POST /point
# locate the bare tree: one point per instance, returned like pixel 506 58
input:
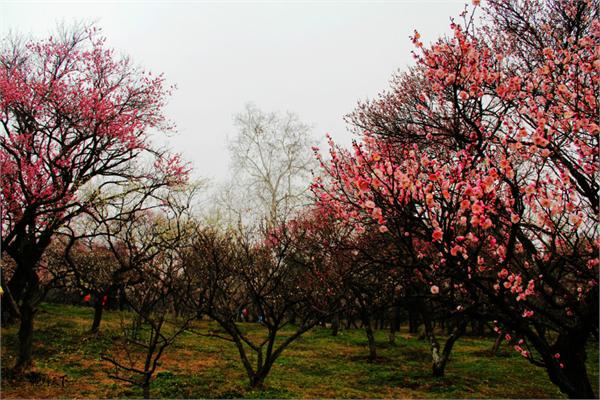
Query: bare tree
pixel 275 278
pixel 272 161
pixel 155 244
pixel 136 356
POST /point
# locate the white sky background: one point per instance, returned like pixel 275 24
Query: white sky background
pixel 316 59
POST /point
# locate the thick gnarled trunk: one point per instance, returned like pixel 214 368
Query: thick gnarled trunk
pixel 31 296
pixel 25 335
pixel 27 296
pixel 568 371
pixel 440 357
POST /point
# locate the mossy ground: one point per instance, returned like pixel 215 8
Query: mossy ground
pixel 68 365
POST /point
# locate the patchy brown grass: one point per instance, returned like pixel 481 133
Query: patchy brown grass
pixel 68 365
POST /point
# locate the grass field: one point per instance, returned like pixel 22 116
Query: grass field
pixel 317 365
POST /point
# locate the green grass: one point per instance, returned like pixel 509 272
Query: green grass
pixel 316 365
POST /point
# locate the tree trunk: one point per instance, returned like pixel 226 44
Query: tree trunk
pixel 97 315
pixel 368 325
pixel 392 337
pixel 146 389
pixel 394 318
pixel 497 344
pixel 349 322
pixel 413 320
pixel 122 298
pixel 257 380
pixel 438 363
pixel 25 289
pixel 394 323
pixel 31 296
pixel 572 378
pixel 25 335
pixel 440 367
pixel 335 324
pixel 440 359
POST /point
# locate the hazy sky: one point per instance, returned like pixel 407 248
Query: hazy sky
pixel 316 59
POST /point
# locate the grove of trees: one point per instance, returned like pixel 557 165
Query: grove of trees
pixel 468 201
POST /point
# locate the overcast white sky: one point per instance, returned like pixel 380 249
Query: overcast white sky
pixel 316 59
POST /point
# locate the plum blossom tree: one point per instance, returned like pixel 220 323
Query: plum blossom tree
pixel 386 262
pixel 481 161
pixel 73 114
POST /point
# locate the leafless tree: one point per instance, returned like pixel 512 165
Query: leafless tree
pixel 275 279
pixel 155 244
pixel 136 355
pixel 272 160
